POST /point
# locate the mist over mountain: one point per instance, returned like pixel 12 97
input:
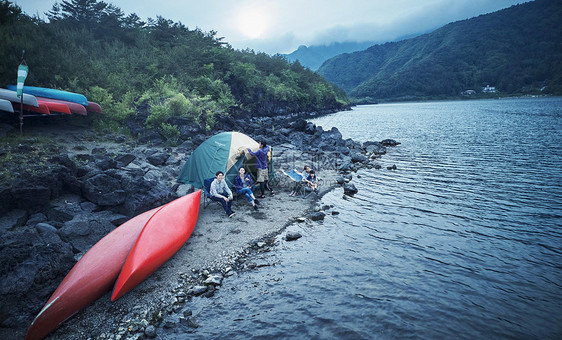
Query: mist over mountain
pixel 517 50
pixel 314 56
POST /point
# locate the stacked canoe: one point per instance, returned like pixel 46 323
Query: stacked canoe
pixel 40 101
pixel 120 260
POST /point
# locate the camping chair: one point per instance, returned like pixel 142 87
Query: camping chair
pixel 295 177
pixel 207 190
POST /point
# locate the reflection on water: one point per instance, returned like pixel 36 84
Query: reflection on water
pixel 463 240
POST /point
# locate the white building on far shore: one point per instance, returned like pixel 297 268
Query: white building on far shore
pixel 489 89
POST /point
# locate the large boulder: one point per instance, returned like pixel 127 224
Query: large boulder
pixel 32 262
pixel 390 142
pixel 103 190
pixel 349 189
pixel 85 230
pixel 29 196
pixel 158 158
pixel 143 195
pixel 374 148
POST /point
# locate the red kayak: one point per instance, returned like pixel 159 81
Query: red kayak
pixel 40 109
pixel 54 107
pixel 90 278
pixel 74 107
pixel 94 107
pixel 164 234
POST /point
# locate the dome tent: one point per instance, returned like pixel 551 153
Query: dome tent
pixel 226 152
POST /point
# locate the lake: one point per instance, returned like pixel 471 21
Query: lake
pixel 463 240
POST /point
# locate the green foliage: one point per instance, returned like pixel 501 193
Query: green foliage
pixel 517 50
pixel 170 132
pixel 119 61
pixel 115 113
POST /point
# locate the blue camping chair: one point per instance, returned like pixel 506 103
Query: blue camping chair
pixel 295 177
pixel 207 190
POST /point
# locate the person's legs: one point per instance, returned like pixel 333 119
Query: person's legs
pixel 262 178
pixel 248 193
pixel 226 206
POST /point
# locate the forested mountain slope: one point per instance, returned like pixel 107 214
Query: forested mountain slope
pixel 120 61
pixel 517 50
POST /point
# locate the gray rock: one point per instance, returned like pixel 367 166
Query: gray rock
pixel 158 158
pixel 150 331
pixel 197 290
pixel 359 158
pixel 292 236
pixel 36 218
pixel 310 128
pixel 103 190
pixel 189 322
pixel 317 216
pixel 89 206
pixel 214 280
pixel 390 142
pixel 83 231
pixel 12 220
pixel 124 159
pixel 184 189
pixel 48 233
pixel 31 197
pixel 349 189
pixel 64 212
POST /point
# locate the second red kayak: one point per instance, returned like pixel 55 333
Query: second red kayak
pixel 164 234
pixel 73 107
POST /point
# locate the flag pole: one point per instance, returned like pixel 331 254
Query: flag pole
pixel 21 79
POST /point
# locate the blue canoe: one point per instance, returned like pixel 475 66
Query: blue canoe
pixel 53 94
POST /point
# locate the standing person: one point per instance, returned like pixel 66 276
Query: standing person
pixel 244 186
pixel 261 165
pixel 220 192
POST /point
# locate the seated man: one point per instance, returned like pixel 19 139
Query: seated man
pixel 220 192
pixel 244 186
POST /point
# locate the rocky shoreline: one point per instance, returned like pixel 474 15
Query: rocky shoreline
pixel 77 189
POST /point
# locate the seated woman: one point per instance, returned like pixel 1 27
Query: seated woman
pixel 244 185
pixel 296 188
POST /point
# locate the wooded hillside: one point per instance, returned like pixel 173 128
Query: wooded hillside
pixel 120 61
pixel 517 50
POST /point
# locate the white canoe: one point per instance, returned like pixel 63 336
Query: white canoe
pixel 13 97
pixel 6 105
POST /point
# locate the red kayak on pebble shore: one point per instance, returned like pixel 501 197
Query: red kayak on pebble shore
pixel 164 234
pixel 90 278
pixel 128 254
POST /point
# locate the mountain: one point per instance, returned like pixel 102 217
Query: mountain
pixel 516 50
pixel 313 56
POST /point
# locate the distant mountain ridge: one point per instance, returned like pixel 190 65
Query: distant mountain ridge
pixel 515 50
pixel 314 56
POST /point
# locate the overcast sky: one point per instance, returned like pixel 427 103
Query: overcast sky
pixel 280 26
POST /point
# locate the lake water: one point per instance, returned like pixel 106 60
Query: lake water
pixel 463 240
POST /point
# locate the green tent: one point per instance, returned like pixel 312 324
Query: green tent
pixel 226 152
